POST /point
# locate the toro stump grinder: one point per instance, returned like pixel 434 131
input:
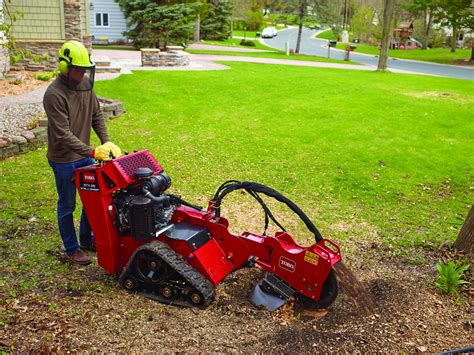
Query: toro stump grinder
pixel 172 251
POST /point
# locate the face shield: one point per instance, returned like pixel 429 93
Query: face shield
pixel 80 78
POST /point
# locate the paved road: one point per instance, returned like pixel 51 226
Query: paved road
pixel 318 47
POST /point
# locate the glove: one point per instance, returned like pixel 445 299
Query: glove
pixel 116 152
pixel 102 152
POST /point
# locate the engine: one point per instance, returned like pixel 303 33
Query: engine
pixel 143 208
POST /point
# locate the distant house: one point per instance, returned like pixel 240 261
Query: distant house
pixel 45 26
pixel 107 21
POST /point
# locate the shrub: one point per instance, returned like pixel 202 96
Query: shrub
pixel 239 24
pixel 46 76
pixel 450 276
pixel 247 43
pixel 119 42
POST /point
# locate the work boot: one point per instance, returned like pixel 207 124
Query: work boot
pixel 79 258
pixel 88 247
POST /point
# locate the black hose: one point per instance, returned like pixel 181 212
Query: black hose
pixel 466 350
pixel 233 185
pixel 161 200
pixel 185 203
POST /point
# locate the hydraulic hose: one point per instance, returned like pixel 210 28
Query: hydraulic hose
pixel 185 203
pixel 165 199
pixel 254 188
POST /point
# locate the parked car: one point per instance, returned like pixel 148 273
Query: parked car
pixel 269 32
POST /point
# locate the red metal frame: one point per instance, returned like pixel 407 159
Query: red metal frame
pixel 304 268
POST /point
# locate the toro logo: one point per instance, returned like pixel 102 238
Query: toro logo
pixel 287 264
pixel 89 177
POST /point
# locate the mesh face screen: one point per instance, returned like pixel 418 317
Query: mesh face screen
pixel 129 164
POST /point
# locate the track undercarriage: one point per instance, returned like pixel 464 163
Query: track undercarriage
pixel 157 272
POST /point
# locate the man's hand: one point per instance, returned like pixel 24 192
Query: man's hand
pixel 116 152
pixel 102 152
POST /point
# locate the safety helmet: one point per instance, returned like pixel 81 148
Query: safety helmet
pixel 75 64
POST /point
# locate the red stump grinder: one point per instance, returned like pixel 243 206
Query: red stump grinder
pixel 175 252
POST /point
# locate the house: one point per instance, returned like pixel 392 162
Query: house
pixel 107 21
pixel 45 25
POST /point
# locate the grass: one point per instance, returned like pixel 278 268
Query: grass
pixel 235 42
pixel 253 34
pixel 328 34
pixel 368 156
pixel 273 55
pixel 388 155
pixel 112 47
pixel 437 55
pixel 248 34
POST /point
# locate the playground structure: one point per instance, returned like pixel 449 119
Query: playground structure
pixel 402 37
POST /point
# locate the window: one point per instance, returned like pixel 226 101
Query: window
pixel 102 19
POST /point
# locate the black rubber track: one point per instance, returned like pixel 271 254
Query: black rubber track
pixel 176 262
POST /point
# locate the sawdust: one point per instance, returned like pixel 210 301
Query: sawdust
pixel 356 292
pixel 87 312
pixel 408 313
pixel 17 87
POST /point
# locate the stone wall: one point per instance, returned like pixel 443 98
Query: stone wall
pixel 72 19
pixel 29 140
pixel 37 137
pixel 39 48
pixel 110 108
pixel 4 61
pixel 173 57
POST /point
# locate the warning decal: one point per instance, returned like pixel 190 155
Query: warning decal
pixel 311 257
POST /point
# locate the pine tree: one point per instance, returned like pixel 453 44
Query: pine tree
pixel 216 24
pixel 157 24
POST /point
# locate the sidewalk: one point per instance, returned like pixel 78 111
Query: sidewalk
pixel 210 47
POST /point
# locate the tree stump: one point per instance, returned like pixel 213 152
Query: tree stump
pixel 465 238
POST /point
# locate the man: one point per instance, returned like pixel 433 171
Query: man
pixel 73 110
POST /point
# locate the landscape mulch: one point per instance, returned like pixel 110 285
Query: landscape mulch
pixel 407 313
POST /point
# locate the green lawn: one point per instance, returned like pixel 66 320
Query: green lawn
pixel 275 55
pixel 376 160
pixel 328 34
pixel 235 42
pixel 438 55
pixel 253 34
pixel 123 48
pixel 247 34
pixel 367 155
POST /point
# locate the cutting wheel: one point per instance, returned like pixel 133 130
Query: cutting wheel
pixel 328 294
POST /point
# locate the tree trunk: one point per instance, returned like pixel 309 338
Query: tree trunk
pixel 427 28
pixel 300 25
pixel 197 29
pixel 384 45
pixel 369 27
pixel 465 240
pixel 472 50
pixel 453 39
pixel 344 21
